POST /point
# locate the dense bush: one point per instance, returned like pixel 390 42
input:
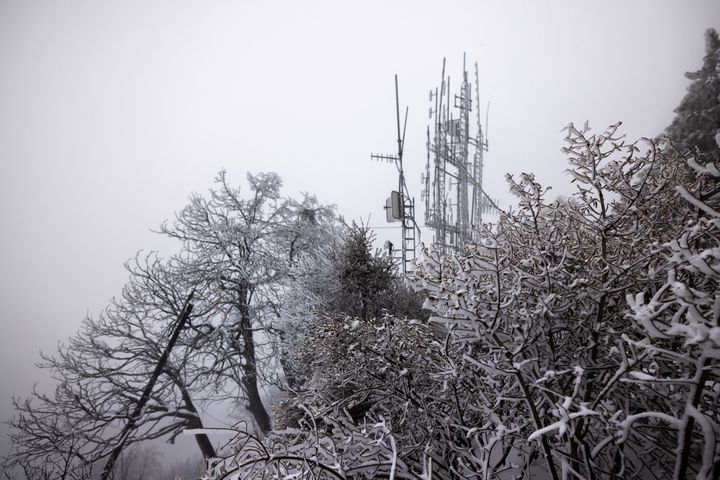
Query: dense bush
pixel 577 339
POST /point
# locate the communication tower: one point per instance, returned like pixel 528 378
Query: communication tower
pixel 400 206
pixel 452 183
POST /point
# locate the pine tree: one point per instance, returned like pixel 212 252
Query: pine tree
pixel 363 277
pixel 698 116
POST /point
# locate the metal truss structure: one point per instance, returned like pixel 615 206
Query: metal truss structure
pixel 452 183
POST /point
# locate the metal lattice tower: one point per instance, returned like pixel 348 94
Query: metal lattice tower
pixel 400 207
pixel 454 197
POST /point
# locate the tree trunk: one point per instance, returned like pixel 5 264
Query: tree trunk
pixel 250 377
pixel 250 374
pixel 288 370
pixel 135 415
pixel 206 447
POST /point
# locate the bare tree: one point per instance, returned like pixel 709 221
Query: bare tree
pixel 101 374
pixel 236 253
pixel 244 247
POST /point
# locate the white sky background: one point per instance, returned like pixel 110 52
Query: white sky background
pixel 112 113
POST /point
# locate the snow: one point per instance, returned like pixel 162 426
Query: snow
pixel 708 430
pixel 624 427
pixel 561 425
pixel 642 376
pixel 644 313
pixel 701 205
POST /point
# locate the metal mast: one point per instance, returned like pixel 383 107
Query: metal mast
pixel 454 197
pixel 400 207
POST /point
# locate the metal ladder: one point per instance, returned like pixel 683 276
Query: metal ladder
pixel 408 235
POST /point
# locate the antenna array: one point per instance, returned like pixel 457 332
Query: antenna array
pixel 400 207
pixel 454 197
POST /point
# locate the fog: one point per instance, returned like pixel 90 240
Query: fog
pixel 112 113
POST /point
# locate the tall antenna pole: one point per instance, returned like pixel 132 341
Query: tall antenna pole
pixel 397 116
pixel 481 146
pixel 400 206
pixel 458 199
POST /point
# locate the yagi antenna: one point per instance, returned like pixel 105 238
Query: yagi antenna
pixel 400 207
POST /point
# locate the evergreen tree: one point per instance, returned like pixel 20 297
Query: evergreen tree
pixel 364 277
pixel 370 283
pixel 347 276
pixel 698 116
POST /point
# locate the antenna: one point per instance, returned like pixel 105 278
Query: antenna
pixel 455 208
pixel 400 206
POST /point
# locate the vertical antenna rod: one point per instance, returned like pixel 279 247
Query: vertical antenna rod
pixel 397 115
pixel 400 206
pixel 458 200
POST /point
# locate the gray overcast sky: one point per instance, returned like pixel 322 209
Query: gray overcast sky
pixel 112 113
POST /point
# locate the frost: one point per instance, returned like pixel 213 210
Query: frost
pixel 562 424
pixel 701 205
pixel 625 426
pixel 644 313
pixel 642 376
pixel 708 430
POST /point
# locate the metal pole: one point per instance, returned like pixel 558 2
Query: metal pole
pixel 397 115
